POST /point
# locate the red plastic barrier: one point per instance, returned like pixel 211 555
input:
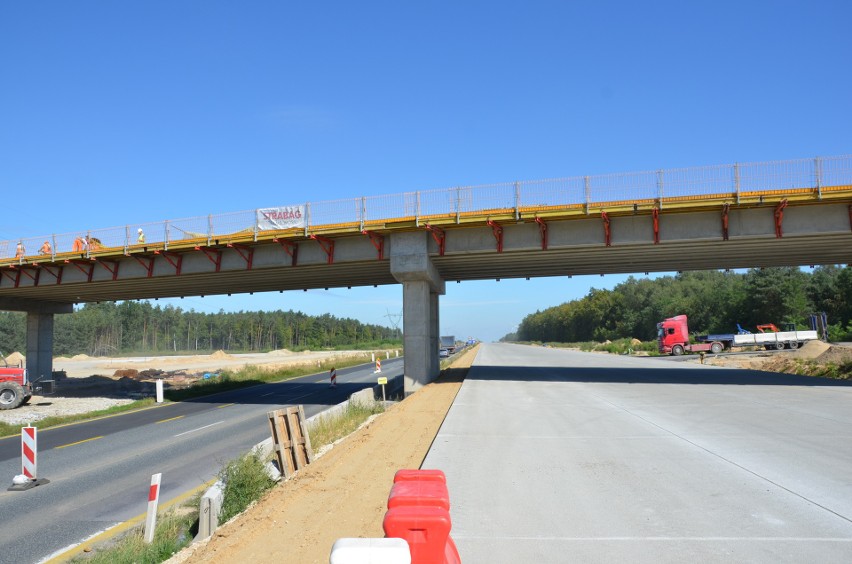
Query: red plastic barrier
pixel 427 531
pixel 419 475
pixel 415 493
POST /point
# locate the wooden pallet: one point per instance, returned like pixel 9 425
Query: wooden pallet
pixel 290 441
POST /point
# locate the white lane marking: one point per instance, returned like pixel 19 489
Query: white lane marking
pixel 199 429
pixel 269 394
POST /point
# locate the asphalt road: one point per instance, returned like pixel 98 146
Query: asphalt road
pixel 560 456
pixel 100 471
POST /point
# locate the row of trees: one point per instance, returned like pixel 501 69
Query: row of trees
pixel 138 327
pixel 714 301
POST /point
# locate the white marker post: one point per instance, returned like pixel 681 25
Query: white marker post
pixel 159 386
pixel 153 500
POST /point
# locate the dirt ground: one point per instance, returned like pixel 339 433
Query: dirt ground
pixel 343 493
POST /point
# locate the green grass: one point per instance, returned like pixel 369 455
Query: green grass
pixel 245 481
pixel 325 430
pixel 175 530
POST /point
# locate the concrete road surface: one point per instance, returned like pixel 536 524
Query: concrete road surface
pixel 560 456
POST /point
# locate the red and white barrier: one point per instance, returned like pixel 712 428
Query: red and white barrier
pixel 29 452
pixel 378 366
pixel 333 375
pixel 419 512
pixel 153 501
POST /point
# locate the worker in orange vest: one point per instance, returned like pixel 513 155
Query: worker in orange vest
pixel 19 250
pixel 45 248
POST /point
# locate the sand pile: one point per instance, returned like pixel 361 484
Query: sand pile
pixel 812 349
pixel 15 359
pixel 835 355
pixel 220 354
pixel 281 352
pixel 80 357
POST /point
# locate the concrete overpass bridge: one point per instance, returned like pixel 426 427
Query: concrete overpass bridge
pixel 781 213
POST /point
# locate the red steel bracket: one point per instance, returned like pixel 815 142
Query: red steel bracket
pixel 16 279
pixel 214 255
pixel 175 259
pixel 607 232
pixel 725 209
pixel 656 215
pixel 88 271
pixel 113 270
pixel 378 241
pixel 497 229
pixel 57 274
pixel 779 216
pixel 542 228
pixel 290 248
pixel 30 275
pixel 439 236
pixel 246 252
pixel 148 266
pixel 327 246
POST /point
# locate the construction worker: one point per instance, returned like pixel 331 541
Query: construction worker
pixel 20 251
pixel 77 247
pixel 141 238
pixel 45 248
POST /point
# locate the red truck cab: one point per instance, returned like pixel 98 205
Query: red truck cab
pixel 671 333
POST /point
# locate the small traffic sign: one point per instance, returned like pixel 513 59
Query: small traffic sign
pixel 382 381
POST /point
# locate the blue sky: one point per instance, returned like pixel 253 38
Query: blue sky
pixel 135 112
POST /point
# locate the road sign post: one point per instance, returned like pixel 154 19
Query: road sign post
pixel 382 381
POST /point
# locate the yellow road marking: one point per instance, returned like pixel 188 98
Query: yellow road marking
pixel 226 405
pixel 79 442
pixel 169 419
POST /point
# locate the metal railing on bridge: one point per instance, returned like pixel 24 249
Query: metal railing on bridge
pixel 815 175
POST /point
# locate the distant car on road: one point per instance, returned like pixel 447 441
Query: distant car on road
pixel 443 353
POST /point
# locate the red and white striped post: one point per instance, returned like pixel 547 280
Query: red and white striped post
pixel 378 366
pixel 153 500
pixel 333 375
pixel 29 452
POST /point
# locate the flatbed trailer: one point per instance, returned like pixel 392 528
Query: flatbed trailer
pixel 673 337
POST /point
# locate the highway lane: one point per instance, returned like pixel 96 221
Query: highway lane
pixel 100 471
pixel 561 456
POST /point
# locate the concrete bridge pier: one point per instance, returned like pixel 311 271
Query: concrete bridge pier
pixel 39 351
pixel 421 286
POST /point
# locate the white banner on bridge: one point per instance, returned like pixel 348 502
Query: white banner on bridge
pixel 281 218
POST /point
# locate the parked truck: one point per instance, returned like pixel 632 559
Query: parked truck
pixel 15 386
pixel 673 338
pixel 448 342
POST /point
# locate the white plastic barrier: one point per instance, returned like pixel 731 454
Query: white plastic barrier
pixel 370 551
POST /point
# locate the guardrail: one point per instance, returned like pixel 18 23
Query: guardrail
pixel 363 212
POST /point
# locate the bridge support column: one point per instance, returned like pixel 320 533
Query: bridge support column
pixel 39 331
pixel 39 345
pixel 421 286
